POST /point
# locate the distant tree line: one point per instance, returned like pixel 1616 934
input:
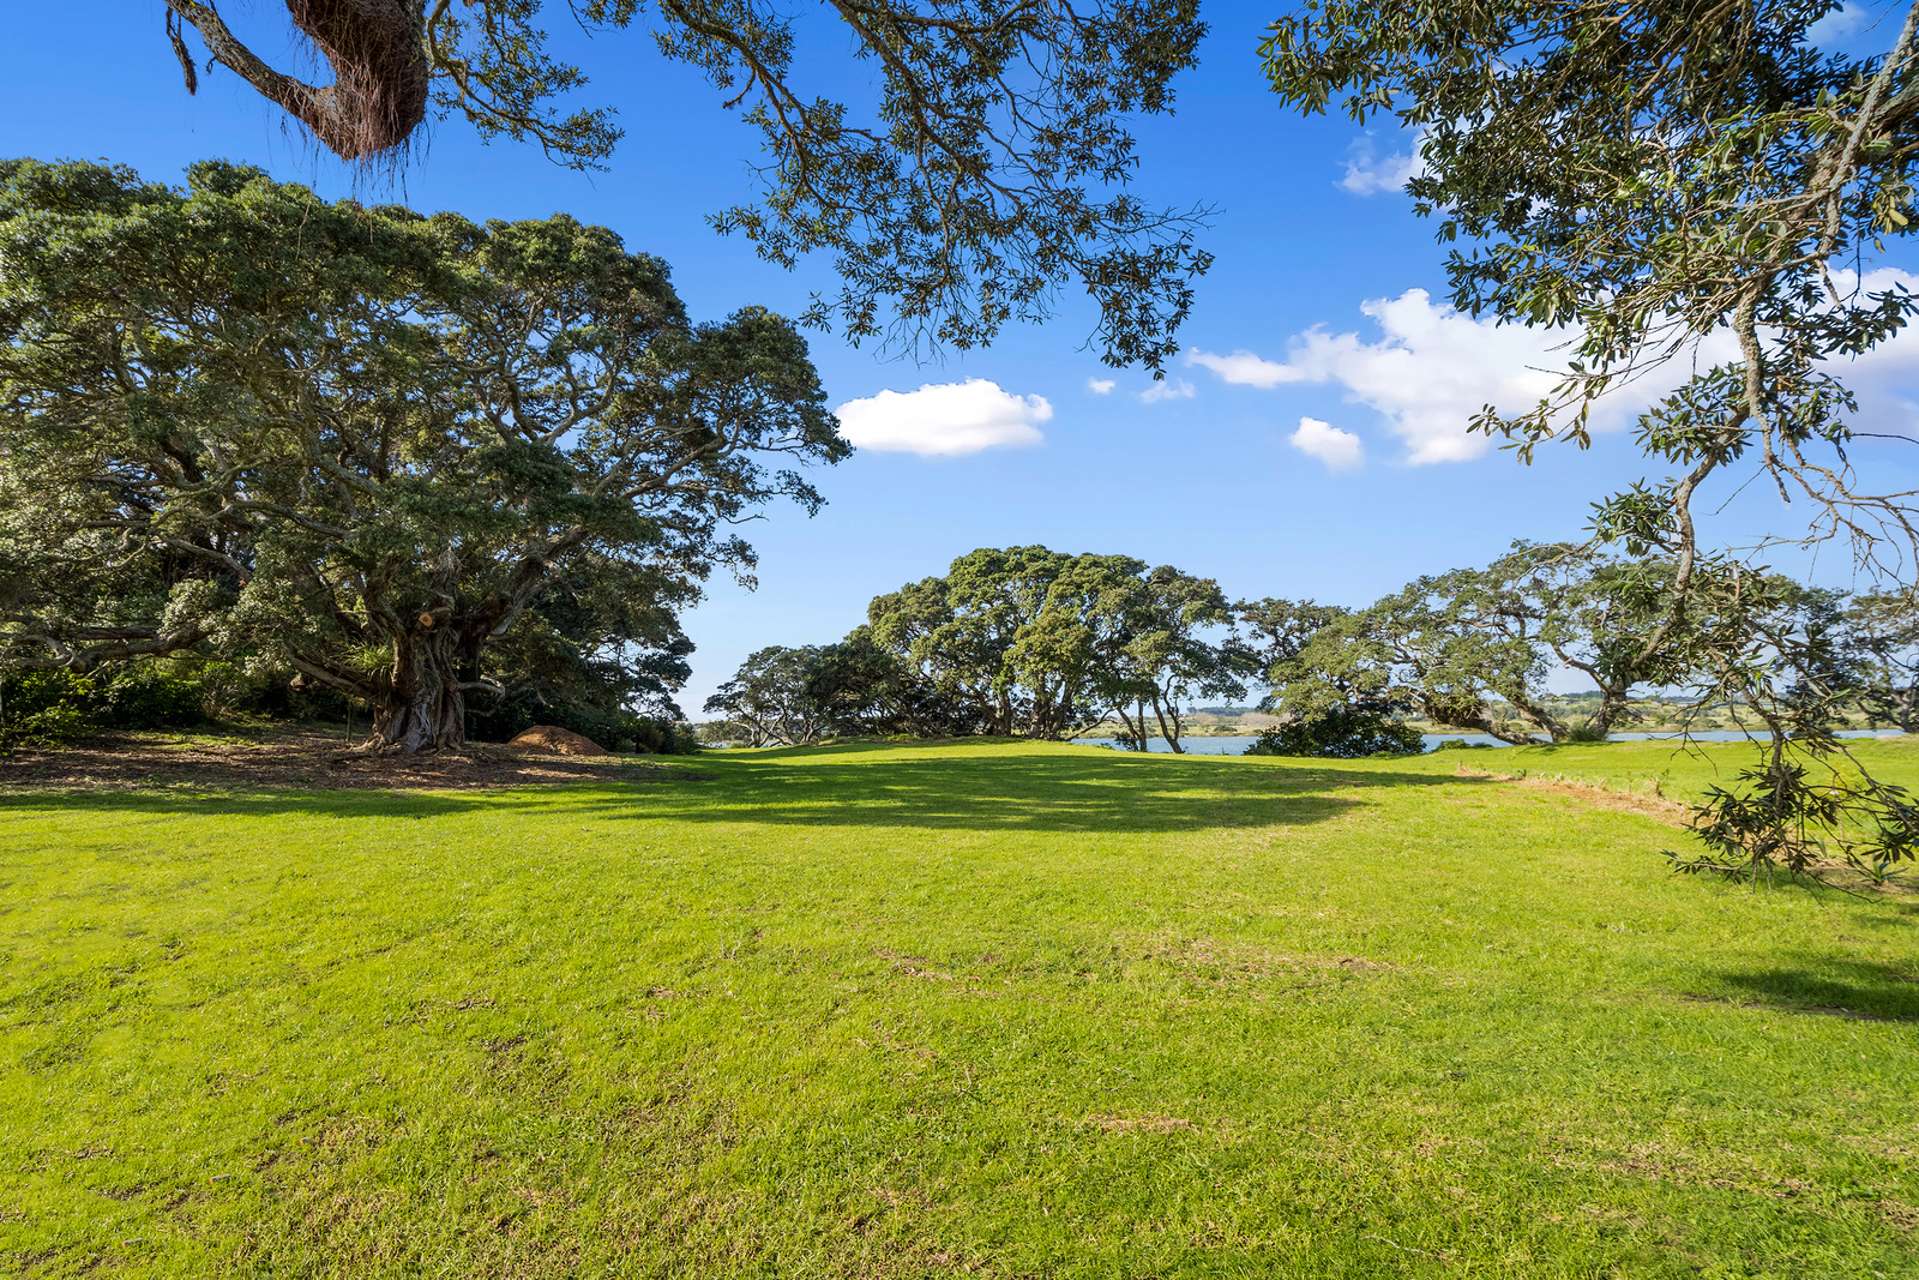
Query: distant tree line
pixel 1031 642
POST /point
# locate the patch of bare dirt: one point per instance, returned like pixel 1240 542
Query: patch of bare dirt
pixel 1142 1124
pixel 1646 805
pixel 1722 1171
pixel 298 759
pixel 1219 963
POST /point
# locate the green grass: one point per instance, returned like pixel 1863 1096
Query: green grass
pixel 1010 1010
pixel 1675 771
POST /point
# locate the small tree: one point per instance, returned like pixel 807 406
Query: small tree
pixel 1168 649
pixel 1570 604
pixel 1413 649
pixel 358 443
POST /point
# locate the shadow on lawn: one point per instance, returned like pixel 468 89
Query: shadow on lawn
pixel 1065 792
pixel 1832 987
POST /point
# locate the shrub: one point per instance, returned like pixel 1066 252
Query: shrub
pixel 1345 732
pixel 45 709
pixel 150 697
pixel 49 707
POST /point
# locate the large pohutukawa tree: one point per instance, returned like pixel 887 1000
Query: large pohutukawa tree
pixel 358 443
pixel 961 633
pixel 1031 641
pixel 1699 193
pixel 993 168
pixel 1156 641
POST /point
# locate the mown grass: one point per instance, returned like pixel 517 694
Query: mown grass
pixel 1009 1010
pixel 1671 768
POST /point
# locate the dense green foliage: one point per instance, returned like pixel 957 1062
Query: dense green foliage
pixel 1341 731
pixel 993 170
pixel 373 449
pixel 50 707
pixel 1474 648
pixel 1001 1010
pixel 1013 641
pixel 854 688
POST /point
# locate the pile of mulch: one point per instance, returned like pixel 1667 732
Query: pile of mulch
pixel 295 759
pixel 557 741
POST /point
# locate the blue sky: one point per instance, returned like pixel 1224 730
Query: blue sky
pixel 1308 332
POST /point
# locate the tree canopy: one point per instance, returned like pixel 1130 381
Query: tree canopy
pixel 1474 648
pixel 1673 181
pixel 1022 641
pixel 359 443
pixel 1700 194
pixel 994 167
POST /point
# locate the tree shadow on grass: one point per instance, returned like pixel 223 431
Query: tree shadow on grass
pixel 1836 988
pixel 1060 793
pixel 1075 792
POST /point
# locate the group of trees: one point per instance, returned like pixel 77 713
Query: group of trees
pixel 1473 648
pixel 1032 642
pixel 1687 188
pixel 1015 641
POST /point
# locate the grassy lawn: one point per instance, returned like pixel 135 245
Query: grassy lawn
pixel 1009 1010
pixel 1674 771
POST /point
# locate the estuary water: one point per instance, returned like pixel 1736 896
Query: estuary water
pixel 1236 744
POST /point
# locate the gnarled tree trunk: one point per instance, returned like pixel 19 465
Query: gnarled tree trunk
pixel 421 705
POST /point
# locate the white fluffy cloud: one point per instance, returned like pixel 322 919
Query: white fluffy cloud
pixel 1101 386
pixel 1886 378
pixel 944 419
pixel 1339 450
pixel 1167 389
pixel 1427 373
pixel 1371 171
pixel 1429 369
pixel 1243 368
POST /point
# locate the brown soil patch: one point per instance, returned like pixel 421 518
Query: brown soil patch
pixel 1219 963
pixel 1645 805
pixel 1142 1124
pixel 299 759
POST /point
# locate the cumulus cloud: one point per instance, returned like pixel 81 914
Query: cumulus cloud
pixel 1243 368
pixel 1371 171
pixel 1428 369
pixel 1884 377
pixel 1101 386
pixel 1339 450
pixel 1167 389
pixel 944 419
